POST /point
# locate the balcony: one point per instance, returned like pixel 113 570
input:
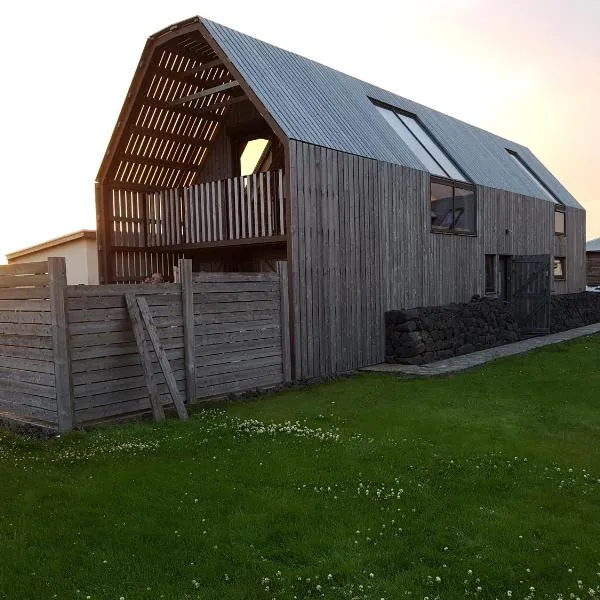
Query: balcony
pixel 217 213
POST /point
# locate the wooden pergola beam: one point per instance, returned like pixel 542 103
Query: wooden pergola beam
pixel 222 104
pixel 158 162
pixel 201 68
pixel 135 187
pixel 184 110
pixel 207 92
pixel 173 137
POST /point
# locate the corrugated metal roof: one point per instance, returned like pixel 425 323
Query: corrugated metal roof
pixel 593 245
pixel 319 105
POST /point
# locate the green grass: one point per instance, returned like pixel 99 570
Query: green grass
pixel 487 480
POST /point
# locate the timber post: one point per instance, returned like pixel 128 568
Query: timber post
pixel 187 305
pixel 57 272
pixel 282 271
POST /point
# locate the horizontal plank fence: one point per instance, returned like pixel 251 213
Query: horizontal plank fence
pixel 68 354
pixel 28 349
pixel 238 331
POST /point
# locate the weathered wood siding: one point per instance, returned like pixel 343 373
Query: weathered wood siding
pixel 361 244
pixel 27 380
pixel 238 342
pixel 27 384
pixel 108 377
pixel 572 247
pixel 238 335
pixel 593 268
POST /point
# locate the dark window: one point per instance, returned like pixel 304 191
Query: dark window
pixel 559 222
pixel 452 208
pixel 559 270
pixel 427 150
pixel 490 273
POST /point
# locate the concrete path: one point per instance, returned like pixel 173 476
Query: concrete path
pixel 467 361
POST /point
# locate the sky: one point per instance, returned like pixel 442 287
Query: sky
pixel 528 70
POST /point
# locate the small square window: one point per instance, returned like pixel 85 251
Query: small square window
pixel 559 222
pixel 490 273
pixel 559 271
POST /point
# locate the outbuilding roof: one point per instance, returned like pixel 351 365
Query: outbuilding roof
pixel 593 245
pixel 316 104
pixel 88 234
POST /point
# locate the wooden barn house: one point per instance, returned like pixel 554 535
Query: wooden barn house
pixel 375 202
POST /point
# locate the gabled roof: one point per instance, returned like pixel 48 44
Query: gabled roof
pixel 593 245
pixel 316 104
pixel 88 234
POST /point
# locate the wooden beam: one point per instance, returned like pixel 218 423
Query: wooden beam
pixel 132 187
pixel 282 271
pixel 140 339
pixel 208 92
pixel 265 241
pixel 222 104
pixel 156 133
pixel 182 76
pixel 60 343
pixel 30 268
pixel 203 67
pixel 187 301
pixel 158 162
pixel 162 358
pixel 13 281
pixel 184 110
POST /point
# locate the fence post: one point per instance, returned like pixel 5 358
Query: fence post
pixel 57 272
pixel 187 303
pixel 282 270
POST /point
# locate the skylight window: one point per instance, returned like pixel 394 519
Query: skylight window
pixel 544 190
pixel 422 145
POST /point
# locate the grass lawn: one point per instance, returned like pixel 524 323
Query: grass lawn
pixel 482 485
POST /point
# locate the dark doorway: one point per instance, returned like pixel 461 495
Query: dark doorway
pixel 504 278
pixel 530 292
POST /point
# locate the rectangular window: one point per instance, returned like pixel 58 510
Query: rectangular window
pixel 452 207
pixel 559 222
pixel 421 144
pixel 544 190
pixel 559 271
pixel 490 273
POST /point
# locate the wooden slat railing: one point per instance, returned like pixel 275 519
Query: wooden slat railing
pixel 250 206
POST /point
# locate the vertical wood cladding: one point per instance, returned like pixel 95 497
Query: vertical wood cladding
pixel 593 268
pixel 361 245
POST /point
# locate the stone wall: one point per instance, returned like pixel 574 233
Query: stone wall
pixel 422 335
pixel 568 311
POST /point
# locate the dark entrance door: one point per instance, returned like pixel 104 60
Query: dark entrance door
pixel 504 278
pixel 530 292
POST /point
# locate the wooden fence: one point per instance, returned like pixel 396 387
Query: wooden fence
pixel 68 355
pixel 31 339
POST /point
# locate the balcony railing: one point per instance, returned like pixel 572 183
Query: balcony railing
pixel 250 206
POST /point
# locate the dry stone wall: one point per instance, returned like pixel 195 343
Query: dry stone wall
pixel 568 311
pixel 423 335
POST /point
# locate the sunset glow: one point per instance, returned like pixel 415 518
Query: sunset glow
pixel 527 70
